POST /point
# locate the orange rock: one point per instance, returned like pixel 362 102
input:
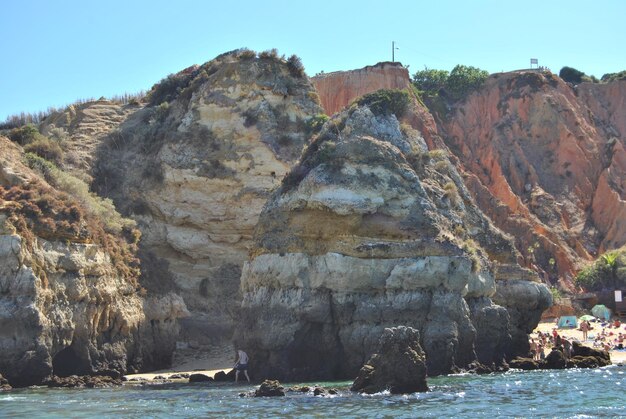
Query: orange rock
pixel 338 89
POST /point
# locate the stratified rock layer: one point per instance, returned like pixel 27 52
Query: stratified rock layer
pixel 65 307
pixel 338 89
pixel 369 231
pixel 546 162
pixel 196 169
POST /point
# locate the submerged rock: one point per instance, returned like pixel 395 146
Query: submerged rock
pixel 398 365
pixel 270 388
pixel 88 381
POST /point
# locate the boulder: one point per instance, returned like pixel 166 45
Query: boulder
pixel 198 378
pixel 524 364
pixel 222 376
pixel 399 365
pixel 555 360
pixel 270 388
pixel 4 383
pixel 585 351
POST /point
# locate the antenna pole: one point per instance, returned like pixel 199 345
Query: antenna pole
pixel 393 51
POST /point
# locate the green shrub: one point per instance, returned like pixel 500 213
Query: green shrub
pixel 168 88
pixel 609 77
pixel 103 208
pixel 47 149
pixel 386 102
pixel 605 272
pixel 162 110
pixel 25 135
pixel 246 54
pixel 430 81
pixel 271 54
pixel 315 123
pixel 294 64
pixel 463 80
pixel 571 75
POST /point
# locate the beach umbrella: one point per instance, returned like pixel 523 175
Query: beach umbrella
pixel 587 317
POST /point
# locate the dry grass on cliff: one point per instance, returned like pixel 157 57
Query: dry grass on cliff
pixel 36 210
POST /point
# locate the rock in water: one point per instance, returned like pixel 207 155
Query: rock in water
pixel 555 360
pixel 371 230
pixel 4 383
pixel 198 378
pixel 270 388
pixel 398 365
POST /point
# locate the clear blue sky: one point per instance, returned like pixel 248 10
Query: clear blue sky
pixel 54 52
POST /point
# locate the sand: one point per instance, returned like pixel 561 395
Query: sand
pixel 207 360
pixel 617 357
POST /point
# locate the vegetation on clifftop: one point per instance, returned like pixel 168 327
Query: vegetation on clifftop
pixel 455 85
pixel 607 272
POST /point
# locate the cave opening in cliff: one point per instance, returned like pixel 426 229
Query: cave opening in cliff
pixel 67 362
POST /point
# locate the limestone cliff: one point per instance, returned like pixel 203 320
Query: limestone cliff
pixel 371 230
pixel 195 168
pixel 546 163
pixel 70 302
pixel 338 89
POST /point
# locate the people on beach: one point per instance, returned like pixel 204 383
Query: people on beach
pixel 584 326
pixel 534 352
pixel 241 364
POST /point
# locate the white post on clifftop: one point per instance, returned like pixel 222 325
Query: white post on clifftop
pixel 393 51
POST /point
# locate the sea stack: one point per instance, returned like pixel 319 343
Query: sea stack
pixel 372 230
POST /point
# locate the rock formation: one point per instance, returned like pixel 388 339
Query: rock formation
pixel 371 230
pixel 546 162
pixel 269 388
pixel 195 168
pixel 398 365
pixel 70 302
pixel 338 89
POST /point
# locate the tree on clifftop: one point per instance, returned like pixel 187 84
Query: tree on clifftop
pixel 464 79
pixel 456 84
pixel 571 75
pixel 430 81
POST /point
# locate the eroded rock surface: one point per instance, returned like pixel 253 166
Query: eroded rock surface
pixel 195 170
pixel 340 88
pixel 399 364
pixel 70 302
pixel 546 162
pixel 370 230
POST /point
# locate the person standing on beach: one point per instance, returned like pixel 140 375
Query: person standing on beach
pixel 241 364
pixel 584 326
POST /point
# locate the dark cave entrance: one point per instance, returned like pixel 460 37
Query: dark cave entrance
pixel 67 362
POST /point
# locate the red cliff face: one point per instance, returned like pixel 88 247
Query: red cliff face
pixel 547 163
pixel 340 88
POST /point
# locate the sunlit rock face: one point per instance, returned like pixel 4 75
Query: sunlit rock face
pixel 546 162
pixel 371 230
pixel 66 307
pixel 195 168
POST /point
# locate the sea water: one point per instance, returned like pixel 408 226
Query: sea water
pixel 566 393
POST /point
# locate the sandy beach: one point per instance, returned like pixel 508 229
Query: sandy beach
pixel 617 357
pixel 207 360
